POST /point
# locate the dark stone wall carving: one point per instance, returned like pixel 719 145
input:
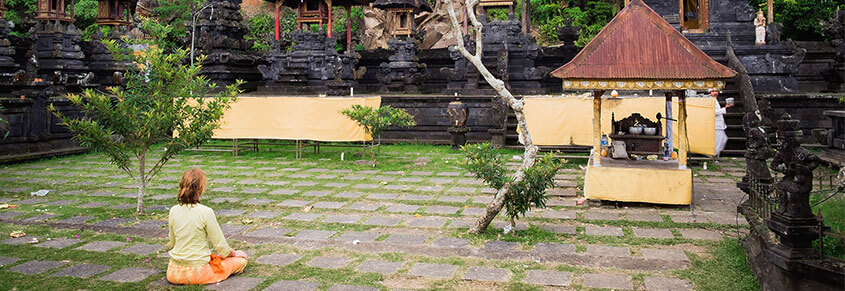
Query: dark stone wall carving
pixel 808 108
pixel 220 36
pixel 508 53
pixel 430 113
pixel 403 73
pixel 57 57
pixel 33 129
pixel 312 66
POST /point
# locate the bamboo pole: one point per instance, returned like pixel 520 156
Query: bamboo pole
pixel 597 127
pixel 683 143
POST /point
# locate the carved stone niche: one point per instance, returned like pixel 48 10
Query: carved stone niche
pixel 404 73
pixel 311 66
pixel 513 53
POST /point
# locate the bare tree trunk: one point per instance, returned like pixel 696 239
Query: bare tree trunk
pixel 530 153
pixel 142 183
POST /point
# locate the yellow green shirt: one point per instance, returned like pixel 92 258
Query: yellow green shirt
pixel 192 228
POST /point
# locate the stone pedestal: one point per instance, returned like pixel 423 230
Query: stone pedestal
pixel 404 73
pixel 220 37
pixel 508 53
pixel 796 236
pixel 459 136
pixel 311 66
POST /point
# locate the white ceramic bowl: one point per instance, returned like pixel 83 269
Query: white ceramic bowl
pixel 650 131
pixel 635 130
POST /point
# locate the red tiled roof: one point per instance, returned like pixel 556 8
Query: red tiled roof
pixel 639 44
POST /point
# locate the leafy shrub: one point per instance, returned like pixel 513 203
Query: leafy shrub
pixel 802 18
pixel 549 15
pixel 85 12
pixel 488 165
pixel 261 31
pixel 21 13
pixel 375 121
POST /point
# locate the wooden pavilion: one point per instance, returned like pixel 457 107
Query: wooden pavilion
pixel 638 50
pixel 318 12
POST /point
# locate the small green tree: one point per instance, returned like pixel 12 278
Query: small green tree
pixel 486 163
pixel 162 95
pixel 374 121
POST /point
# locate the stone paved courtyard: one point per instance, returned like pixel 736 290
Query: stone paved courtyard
pixel 322 224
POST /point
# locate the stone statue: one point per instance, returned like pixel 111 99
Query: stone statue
pixel 756 152
pixel 793 222
pixel 760 31
pixel 797 165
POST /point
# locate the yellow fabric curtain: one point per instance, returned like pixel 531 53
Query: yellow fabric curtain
pixel 568 120
pixel 294 118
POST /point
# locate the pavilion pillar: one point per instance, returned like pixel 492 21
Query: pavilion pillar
pixel 669 135
pixel 277 19
pixel 597 127
pixel 770 12
pixel 329 4
pixel 526 18
pixel 349 29
pixel 683 143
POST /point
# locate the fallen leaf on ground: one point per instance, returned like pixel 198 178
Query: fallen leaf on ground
pixel 17 234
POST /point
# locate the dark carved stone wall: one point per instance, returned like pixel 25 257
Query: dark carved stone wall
pixel 807 107
pixel 33 129
pixel 432 119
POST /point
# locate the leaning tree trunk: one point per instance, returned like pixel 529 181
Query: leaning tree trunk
pixel 530 153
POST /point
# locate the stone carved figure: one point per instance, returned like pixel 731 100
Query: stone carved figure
pixel 757 150
pixel 797 165
pixel 760 30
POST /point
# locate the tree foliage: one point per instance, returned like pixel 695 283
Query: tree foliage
pixel 487 164
pixel 375 121
pixel 802 19
pixel 161 96
pixel 550 15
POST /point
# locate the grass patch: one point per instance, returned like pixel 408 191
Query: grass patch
pixel 727 269
pixel 833 213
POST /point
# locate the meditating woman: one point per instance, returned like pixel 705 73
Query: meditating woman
pixel 192 227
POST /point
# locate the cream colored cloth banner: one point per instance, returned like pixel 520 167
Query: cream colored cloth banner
pixel 294 118
pixel 568 120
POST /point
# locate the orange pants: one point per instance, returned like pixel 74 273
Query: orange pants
pixel 204 274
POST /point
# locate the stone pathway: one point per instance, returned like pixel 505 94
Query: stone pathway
pixel 359 228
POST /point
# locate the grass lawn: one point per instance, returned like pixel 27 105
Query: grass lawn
pixel 417 195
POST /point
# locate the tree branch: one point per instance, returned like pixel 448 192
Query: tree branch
pixel 530 150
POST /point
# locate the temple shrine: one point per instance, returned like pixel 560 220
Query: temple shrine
pixel 639 50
